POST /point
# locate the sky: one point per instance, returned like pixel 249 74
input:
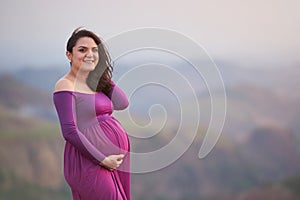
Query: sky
pixel 248 33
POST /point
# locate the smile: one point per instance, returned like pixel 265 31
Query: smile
pixel 88 61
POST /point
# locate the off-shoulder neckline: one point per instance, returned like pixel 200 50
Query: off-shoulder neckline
pixel 70 91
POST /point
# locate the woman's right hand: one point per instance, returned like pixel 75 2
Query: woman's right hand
pixel 112 162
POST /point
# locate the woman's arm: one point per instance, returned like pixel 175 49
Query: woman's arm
pixel 64 104
pixel 118 97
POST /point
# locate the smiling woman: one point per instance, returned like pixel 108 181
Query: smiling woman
pixel 96 157
pixel 84 48
pixel 85 54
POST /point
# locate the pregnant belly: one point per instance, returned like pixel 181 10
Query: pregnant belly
pixel 108 137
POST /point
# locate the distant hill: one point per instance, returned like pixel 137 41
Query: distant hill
pixel 272 152
pixel 256 157
pixel 30 151
pixel 250 106
pixel 231 169
pixel 41 78
pixel 287 189
pixel 254 96
pixel 25 99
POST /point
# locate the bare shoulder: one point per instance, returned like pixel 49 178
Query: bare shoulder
pixel 64 84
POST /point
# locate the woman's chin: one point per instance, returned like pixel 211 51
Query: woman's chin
pixel 87 67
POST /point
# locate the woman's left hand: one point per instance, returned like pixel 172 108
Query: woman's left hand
pixel 112 162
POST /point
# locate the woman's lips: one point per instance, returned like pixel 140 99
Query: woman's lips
pixel 89 61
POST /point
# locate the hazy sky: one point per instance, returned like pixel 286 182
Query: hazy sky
pixel 247 32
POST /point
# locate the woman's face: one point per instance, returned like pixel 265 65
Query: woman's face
pixel 85 54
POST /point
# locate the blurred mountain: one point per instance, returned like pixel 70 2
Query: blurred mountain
pixel 257 156
pixel 287 189
pixel 31 158
pixel 273 192
pixel 42 78
pixel 30 147
pixel 231 169
pixel 25 99
pixel 249 106
pixel 272 153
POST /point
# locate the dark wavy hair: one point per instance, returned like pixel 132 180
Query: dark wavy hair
pixel 98 80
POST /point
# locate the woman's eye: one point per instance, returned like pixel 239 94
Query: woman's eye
pixel 82 50
pixel 95 50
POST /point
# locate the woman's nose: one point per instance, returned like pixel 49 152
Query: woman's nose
pixel 89 54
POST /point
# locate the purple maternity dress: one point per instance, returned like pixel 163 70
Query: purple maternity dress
pixel 91 134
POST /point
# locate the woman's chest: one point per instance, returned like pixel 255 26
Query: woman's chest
pixel 91 105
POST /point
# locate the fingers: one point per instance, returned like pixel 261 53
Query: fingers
pixel 117 163
pixel 112 162
pixel 120 162
pixel 120 157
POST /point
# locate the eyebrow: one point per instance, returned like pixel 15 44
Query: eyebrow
pixel 86 47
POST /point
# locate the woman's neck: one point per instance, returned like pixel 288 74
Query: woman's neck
pixel 78 75
pixel 79 80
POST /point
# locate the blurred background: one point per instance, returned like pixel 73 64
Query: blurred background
pixel 255 45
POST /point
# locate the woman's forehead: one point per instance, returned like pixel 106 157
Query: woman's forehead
pixel 86 42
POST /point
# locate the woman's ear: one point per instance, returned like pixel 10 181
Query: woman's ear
pixel 69 55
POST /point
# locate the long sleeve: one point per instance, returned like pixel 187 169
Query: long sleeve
pixel 65 107
pixel 118 97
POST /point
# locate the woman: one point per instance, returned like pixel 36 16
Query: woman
pixel 96 159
